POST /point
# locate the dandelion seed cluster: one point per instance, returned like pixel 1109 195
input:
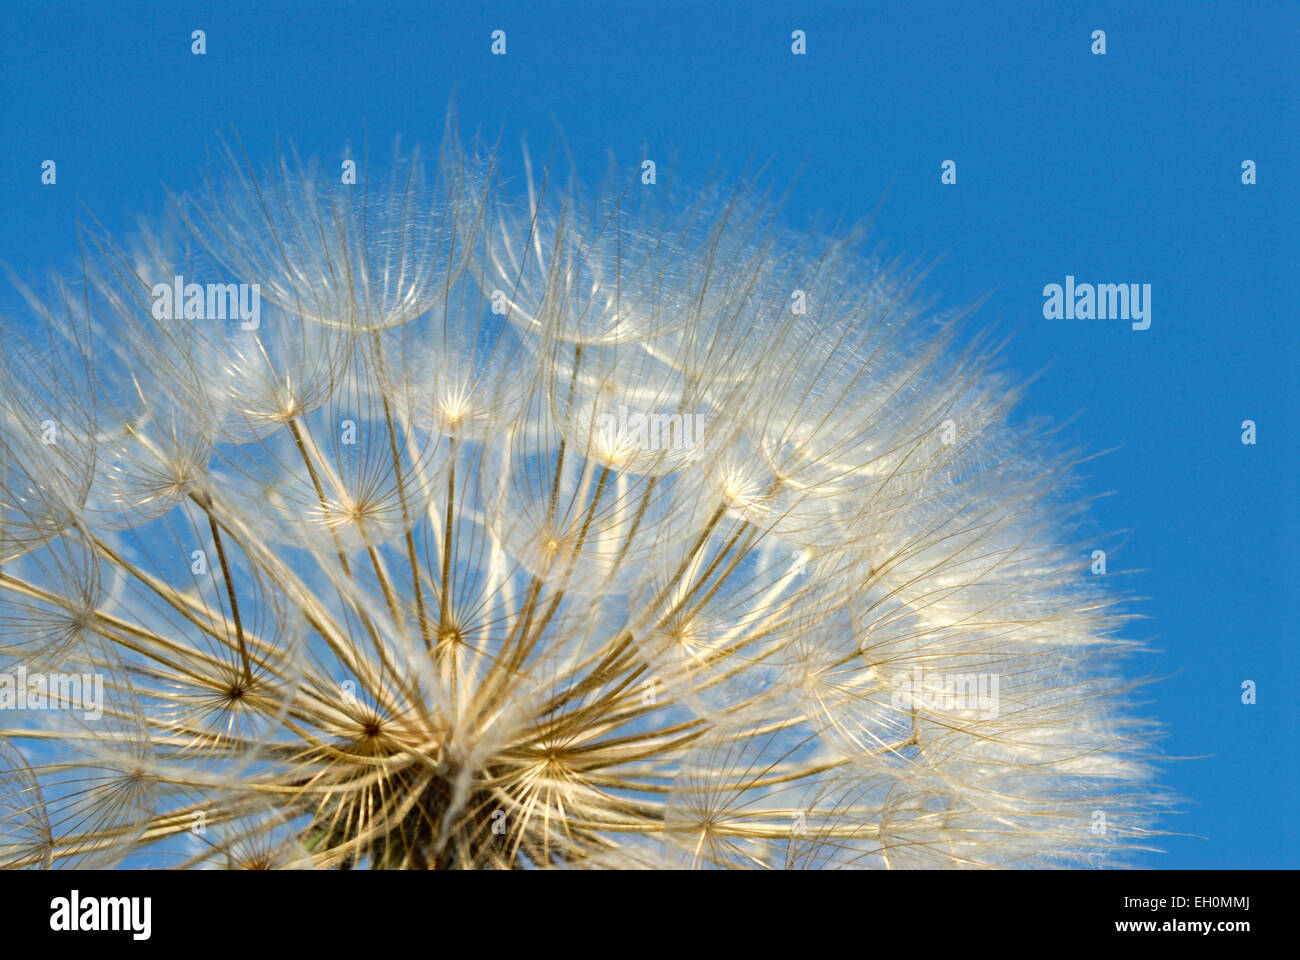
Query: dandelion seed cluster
pixel 394 581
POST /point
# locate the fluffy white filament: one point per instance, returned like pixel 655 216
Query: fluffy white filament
pixel 539 531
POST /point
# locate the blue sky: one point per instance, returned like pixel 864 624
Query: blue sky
pixel 1117 168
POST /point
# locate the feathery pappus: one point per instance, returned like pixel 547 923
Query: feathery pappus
pixel 452 522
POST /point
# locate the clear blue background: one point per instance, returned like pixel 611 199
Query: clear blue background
pixel 1117 168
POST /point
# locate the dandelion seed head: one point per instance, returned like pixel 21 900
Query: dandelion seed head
pixel 531 528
